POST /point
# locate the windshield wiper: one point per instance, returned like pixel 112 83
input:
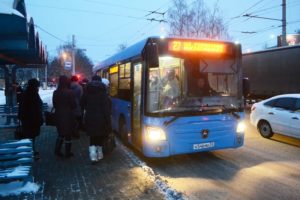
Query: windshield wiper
pixel 225 109
pixel 168 122
pixel 231 111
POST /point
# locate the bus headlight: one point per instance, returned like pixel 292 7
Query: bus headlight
pixel 155 134
pixel 241 127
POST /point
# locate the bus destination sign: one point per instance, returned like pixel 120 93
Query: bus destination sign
pixel 196 46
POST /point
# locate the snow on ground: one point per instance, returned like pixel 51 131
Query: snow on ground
pixel 162 185
pixel 2 97
pixel 46 96
pixel 16 188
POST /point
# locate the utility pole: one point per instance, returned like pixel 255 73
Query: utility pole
pixel 73 54
pixel 284 43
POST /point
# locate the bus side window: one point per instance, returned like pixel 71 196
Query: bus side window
pixel 124 81
pixel 114 84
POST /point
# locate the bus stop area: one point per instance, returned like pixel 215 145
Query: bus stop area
pixel 117 176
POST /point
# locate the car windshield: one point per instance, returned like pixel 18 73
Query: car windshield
pixel 186 85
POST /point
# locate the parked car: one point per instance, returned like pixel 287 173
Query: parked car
pixel 279 114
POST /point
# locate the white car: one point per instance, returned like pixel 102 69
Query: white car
pixel 279 114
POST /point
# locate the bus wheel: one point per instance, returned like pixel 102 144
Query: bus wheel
pixel 265 129
pixel 123 131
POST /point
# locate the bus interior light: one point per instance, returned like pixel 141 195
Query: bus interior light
pixel 155 134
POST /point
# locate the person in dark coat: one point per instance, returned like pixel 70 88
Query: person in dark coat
pixel 77 91
pixel 97 117
pixel 19 92
pixel 30 112
pixel 83 84
pixel 64 104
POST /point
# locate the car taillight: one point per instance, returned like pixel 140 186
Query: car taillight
pixel 253 108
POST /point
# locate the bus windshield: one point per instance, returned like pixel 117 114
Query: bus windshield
pixel 181 85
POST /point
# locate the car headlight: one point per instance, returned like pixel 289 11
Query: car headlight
pixel 155 134
pixel 241 127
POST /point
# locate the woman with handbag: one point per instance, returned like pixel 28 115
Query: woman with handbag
pixel 97 117
pixel 30 113
pixel 64 105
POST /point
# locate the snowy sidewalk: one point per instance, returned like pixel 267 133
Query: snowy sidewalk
pixel 115 177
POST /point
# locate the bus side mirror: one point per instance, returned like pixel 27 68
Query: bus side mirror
pixel 151 55
pixel 246 87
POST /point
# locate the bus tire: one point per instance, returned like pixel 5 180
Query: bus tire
pixel 123 131
pixel 265 129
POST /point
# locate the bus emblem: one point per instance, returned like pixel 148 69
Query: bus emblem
pixel 204 133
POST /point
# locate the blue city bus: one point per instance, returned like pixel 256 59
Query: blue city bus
pixel 176 96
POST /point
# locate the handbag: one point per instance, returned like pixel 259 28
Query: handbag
pixel 110 144
pixel 50 118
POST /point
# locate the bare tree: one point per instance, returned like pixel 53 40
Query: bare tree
pixel 216 25
pixel 83 64
pixel 196 20
pixel 199 19
pixel 178 18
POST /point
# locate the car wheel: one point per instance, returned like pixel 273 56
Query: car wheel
pixel 265 129
pixel 123 131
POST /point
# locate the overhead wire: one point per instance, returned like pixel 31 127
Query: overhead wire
pixel 242 13
pixel 262 31
pixel 115 5
pixel 273 8
pixel 262 10
pixel 86 11
pixel 54 36
pixel 90 11
pixel 127 24
pixel 140 31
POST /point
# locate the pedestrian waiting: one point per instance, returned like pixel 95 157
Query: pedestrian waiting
pixel 77 91
pixel 64 104
pixel 97 117
pixel 30 113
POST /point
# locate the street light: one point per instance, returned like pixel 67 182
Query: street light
pixel 64 55
pixel 73 54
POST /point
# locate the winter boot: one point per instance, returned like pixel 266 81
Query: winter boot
pixel 58 144
pixel 93 153
pixel 99 153
pixel 68 147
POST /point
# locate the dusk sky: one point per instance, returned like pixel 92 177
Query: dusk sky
pixel 100 26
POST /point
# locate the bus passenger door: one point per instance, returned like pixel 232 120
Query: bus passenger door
pixel 136 104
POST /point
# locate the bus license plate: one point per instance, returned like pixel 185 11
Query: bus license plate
pixel 203 145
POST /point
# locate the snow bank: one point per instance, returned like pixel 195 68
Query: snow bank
pixel 162 185
pixel 16 188
pixel 46 95
pixel 20 141
pixel 19 171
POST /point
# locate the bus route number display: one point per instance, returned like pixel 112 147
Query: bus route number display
pixel 196 46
